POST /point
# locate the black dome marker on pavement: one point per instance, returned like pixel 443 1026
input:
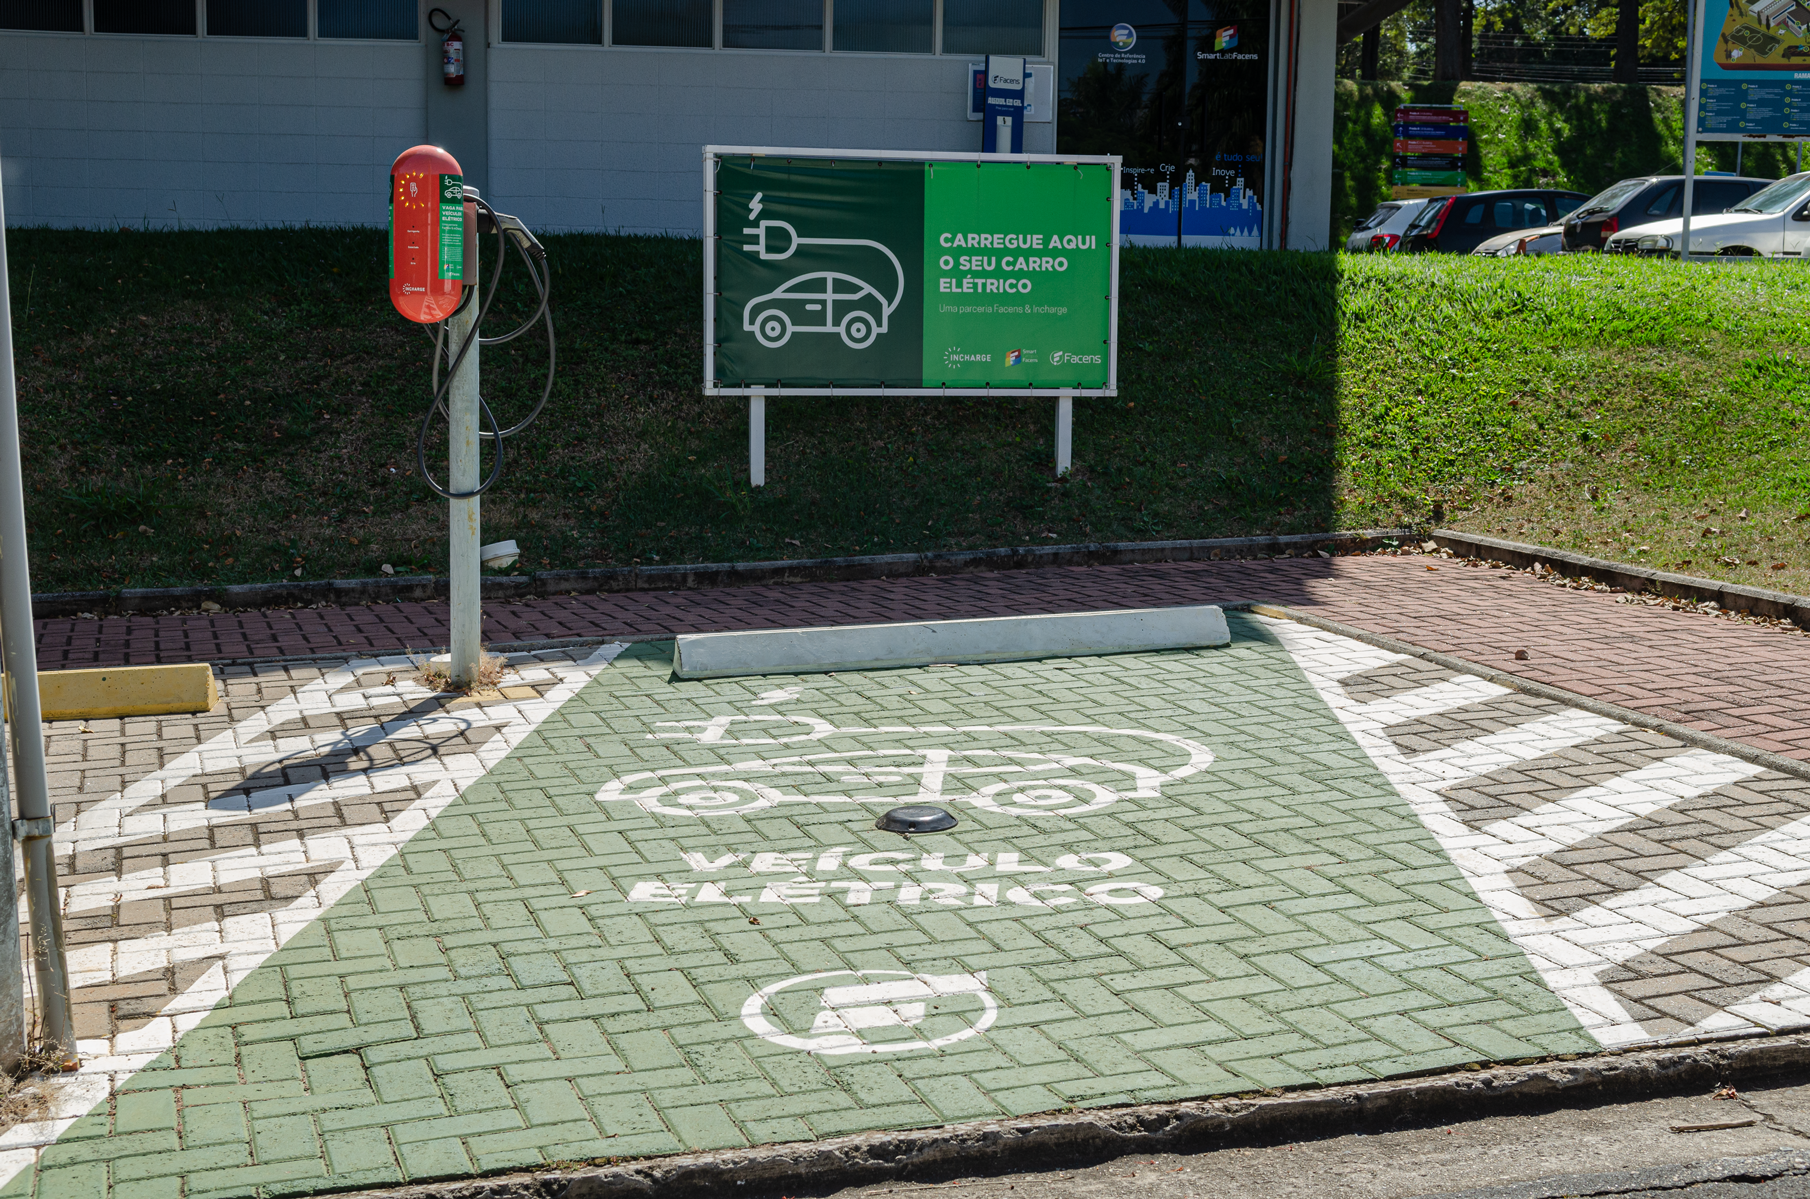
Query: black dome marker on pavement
pixel 915 818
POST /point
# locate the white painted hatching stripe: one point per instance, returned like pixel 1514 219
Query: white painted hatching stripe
pixel 1573 951
pixel 1461 692
pixel 1323 658
pixel 345 854
pixel 1602 809
pixel 1443 769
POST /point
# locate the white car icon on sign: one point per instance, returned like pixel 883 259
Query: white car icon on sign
pixel 821 302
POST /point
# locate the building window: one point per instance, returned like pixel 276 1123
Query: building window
pixel 993 27
pixel 660 22
pixel 572 22
pixel 144 16
pixel 883 26
pixel 58 16
pixel 257 18
pixel 773 24
pixel 397 20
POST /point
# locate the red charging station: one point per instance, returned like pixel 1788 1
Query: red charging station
pixel 427 234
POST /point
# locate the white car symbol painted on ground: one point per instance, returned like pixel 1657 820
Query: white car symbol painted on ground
pixel 1002 776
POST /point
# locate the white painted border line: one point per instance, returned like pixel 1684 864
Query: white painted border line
pixel 924 642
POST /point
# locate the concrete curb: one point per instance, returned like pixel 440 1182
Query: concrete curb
pixel 682 577
pixel 1040 1142
pixel 1658 724
pixel 1630 576
pixel 1759 1168
pixel 927 642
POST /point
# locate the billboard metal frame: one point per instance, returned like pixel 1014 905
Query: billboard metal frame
pixel 712 154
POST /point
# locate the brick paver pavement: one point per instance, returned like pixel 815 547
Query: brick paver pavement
pixel 346 932
pixel 1747 683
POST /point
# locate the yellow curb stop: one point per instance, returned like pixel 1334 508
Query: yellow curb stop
pixel 127 691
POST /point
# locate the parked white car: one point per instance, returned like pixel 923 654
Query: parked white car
pixel 1382 229
pixel 1534 243
pixel 1772 223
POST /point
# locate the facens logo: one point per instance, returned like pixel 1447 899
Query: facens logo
pixel 1123 36
pixel 1069 356
pixel 1225 39
pixel 955 356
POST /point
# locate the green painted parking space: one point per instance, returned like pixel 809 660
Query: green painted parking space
pixel 666 921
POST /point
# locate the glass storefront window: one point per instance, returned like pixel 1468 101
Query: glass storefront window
pixel 257 18
pixel 385 19
pixel 1180 91
pixel 993 27
pixel 144 16
pixel 660 22
pixel 883 26
pixel 567 22
pixel 56 16
pixel 773 24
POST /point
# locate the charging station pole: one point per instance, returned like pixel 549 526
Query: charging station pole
pixel 25 724
pixel 463 476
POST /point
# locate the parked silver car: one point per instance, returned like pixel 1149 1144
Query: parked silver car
pixel 1382 229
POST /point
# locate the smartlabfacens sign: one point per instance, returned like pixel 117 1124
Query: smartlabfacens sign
pixel 846 273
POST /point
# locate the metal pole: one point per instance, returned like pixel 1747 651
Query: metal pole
pixel 1693 88
pixel 463 470
pixel 25 719
pixel 12 969
pixel 757 440
pixel 1065 424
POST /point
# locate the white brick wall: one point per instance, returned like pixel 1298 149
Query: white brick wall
pixel 109 131
pixel 161 132
pixel 588 138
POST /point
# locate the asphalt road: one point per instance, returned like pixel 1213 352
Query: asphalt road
pixel 1619 1149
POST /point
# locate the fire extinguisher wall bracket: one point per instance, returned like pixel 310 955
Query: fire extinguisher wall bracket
pixel 452 46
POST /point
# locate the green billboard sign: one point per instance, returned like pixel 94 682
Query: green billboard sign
pixel 917 274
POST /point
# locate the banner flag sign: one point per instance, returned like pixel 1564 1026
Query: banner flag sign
pixel 851 273
pixel 1755 63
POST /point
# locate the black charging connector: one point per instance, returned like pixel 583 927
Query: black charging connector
pixel 509 231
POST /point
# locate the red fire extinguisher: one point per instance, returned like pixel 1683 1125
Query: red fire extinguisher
pixel 452 48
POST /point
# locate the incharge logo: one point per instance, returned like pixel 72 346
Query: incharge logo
pixel 954 356
pixel 1061 356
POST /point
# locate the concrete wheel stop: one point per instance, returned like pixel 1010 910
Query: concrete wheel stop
pixel 937 642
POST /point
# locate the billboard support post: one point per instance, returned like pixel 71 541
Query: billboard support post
pixel 1065 424
pixel 757 440
pixel 1693 104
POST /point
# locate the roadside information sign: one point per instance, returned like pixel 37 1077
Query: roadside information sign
pixel 1754 61
pixel 850 273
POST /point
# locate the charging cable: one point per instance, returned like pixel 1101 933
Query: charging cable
pixel 509 231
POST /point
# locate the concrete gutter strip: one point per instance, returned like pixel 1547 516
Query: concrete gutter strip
pixel 1630 576
pixel 686 577
pixel 1658 724
pixel 921 643
pixel 994 1147
pixel 1759 1168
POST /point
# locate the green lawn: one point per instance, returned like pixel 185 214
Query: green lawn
pixel 250 398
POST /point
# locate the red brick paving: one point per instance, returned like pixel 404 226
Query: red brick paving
pixel 1739 681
